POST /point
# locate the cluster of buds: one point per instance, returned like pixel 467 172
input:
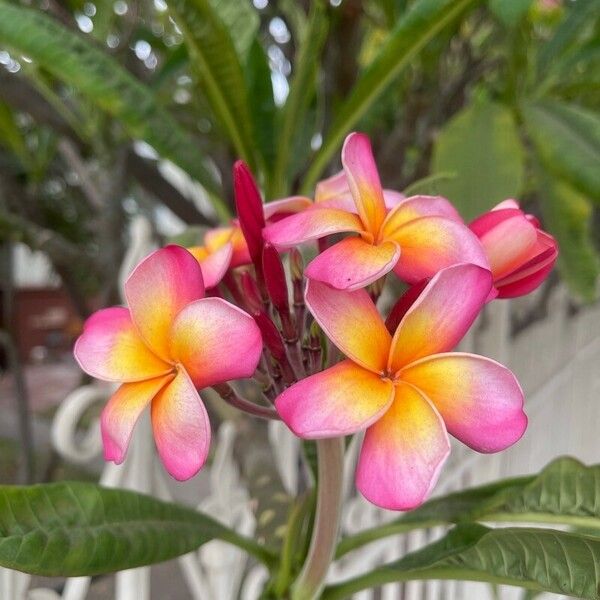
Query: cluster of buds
pixel 324 358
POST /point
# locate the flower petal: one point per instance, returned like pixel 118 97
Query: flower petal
pixel 480 401
pixel 353 263
pixel 363 180
pixel 181 427
pixel 509 244
pixel 351 321
pixel 487 221
pixel 215 265
pixel 286 206
pixel 441 316
pixel 429 244
pixel 215 341
pixel 403 453
pixel 338 401
pixel 159 287
pixel 333 186
pixel 121 413
pixel 310 225
pixel 110 348
pixel 415 207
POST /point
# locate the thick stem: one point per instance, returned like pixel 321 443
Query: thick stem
pixel 310 582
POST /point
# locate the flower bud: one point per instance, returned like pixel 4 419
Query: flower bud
pixel 275 280
pixel 521 255
pixel 251 293
pixel 249 208
pixel 296 264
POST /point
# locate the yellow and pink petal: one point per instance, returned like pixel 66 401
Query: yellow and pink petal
pixel 215 341
pixel 429 244
pixel 480 400
pixel 352 322
pixel 311 224
pixel 122 412
pixel 442 314
pixel 363 181
pixel 353 263
pixel 339 401
pixel 111 349
pixel 403 452
pixel 181 427
pixel 214 265
pixel 156 291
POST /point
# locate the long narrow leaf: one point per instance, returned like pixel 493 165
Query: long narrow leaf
pixel 79 63
pixel 72 529
pixel 424 20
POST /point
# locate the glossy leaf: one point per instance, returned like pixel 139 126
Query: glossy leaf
pixel 418 25
pixel 565 492
pixel 213 54
pixel 538 559
pixel 567 140
pixel 72 529
pixel 481 146
pixel 569 216
pixel 101 79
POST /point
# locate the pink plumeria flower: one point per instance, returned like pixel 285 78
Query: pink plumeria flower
pixel 168 343
pixel 408 391
pixel 417 238
pixel 521 255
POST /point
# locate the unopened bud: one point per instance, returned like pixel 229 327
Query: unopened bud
pixel 296 264
pixel 251 293
pixel 275 280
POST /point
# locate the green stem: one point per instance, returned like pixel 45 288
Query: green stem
pixel 330 457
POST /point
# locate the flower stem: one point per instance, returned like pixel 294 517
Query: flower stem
pixel 330 458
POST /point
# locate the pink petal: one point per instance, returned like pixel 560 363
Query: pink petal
pixel 403 453
pixel 392 198
pixel 509 203
pixel 363 180
pixel 181 427
pixel 333 186
pixel 121 413
pixel 442 315
pixel 480 401
pixel 415 207
pixel 215 265
pixel 429 244
pixel 110 348
pixel 509 244
pixel 353 263
pixel 286 206
pixel 310 225
pixel 215 342
pixel 159 287
pixel 487 221
pixel 338 401
pixel 351 321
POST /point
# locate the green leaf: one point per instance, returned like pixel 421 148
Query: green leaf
pixel 510 12
pixel 214 56
pixel 11 137
pixel 302 88
pixel 428 186
pixel 419 24
pixel 481 146
pixel 565 492
pixel 568 215
pixel 241 20
pixel 76 62
pixel 72 529
pixel 536 559
pixel 567 140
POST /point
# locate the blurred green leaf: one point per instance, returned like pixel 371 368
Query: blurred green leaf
pixel 75 61
pixel 11 136
pixel 213 54
pixel 510 12
pixel 71 529
pixel 429 186
pixel 565 492
pixel 537 559
pixel 302 89
pixel 568 215
pixel 567 140
pixel 241 21
pixel 481 146
pixel 418 25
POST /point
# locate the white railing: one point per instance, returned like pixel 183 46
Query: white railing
pixel 555 358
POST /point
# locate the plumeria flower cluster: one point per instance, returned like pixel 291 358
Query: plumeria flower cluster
pixel 325 359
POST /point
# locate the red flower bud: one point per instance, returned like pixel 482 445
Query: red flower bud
pixel 251 293
pixel 275 280
pixel 249 208
pixel 271 336
pixel 403 304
